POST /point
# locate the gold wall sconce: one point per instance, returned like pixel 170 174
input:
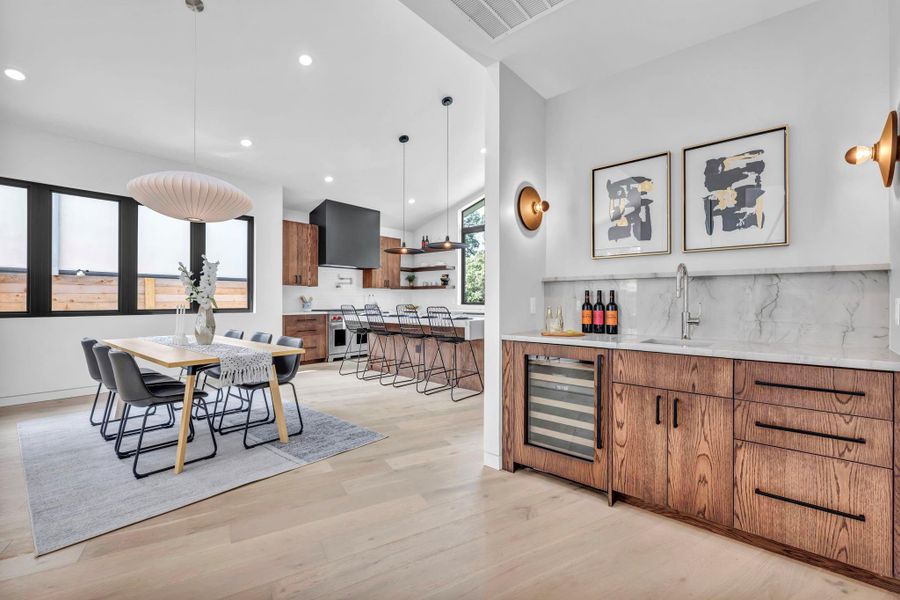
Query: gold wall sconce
pixel 531 208
pixel 884 151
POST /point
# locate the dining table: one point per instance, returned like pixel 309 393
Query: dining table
pixel 193 361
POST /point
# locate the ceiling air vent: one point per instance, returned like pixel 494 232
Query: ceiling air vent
pixel 499 17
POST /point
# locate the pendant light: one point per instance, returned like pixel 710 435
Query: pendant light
pixel 403 249
pixel 189 195
pixel 447 244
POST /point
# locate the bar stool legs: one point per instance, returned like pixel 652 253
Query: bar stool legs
pixel 453 374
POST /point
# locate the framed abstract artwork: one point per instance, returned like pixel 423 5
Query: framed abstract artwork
pixel 735 192
pixel 630 208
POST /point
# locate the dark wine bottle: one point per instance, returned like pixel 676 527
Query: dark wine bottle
pixel 586 313
pixel 612 314
pixel 599 314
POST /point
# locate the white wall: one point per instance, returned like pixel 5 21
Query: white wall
pixel 894 194
pixel 516 140
pixel 32 346
pixel 798 69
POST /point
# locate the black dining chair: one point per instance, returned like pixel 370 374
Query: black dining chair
pixel 286 368
pixel 87 346
pixel 446 334
pixel 151 378
pixel 133 390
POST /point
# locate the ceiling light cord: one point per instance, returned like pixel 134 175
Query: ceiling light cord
pixel 447 218
pixel 403 196
pixel 196 52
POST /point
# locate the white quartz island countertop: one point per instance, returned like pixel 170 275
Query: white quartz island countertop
pixel 878 359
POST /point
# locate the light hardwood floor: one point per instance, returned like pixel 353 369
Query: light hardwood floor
pixel 413 516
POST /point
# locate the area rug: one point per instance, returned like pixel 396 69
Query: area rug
pixel 78 489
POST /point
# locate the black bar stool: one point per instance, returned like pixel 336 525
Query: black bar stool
pixel 385 338
pixel 445 334
pixel 411 331
pixel 357 328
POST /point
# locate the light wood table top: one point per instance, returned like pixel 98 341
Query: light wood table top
pixel 169 356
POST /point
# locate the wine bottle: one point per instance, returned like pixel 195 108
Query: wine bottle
pixel 587 310
pixel 599 314
pixel 612 314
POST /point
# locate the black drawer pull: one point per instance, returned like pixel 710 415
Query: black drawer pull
pixel 831 511
pixel 599 401
pixel 815 433
pixel 658 398
pixel 807 388
pixel 675 414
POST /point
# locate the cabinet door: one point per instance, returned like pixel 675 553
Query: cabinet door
pixel 310 249
pixel 290 253
pixel 559 417
pixel 390 263
pixel 700 442
pixel 639 442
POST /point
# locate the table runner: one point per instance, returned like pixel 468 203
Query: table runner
pixel 238 365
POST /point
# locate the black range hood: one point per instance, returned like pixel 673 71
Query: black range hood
pixel 349 236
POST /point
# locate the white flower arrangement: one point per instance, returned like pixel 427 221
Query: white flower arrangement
pixel 204 291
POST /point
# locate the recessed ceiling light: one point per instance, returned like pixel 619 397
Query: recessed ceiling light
pixel 412 200
pixel 329 179
pixel 305 60
pixel 14 74
pixel 484 150
pixel 246 143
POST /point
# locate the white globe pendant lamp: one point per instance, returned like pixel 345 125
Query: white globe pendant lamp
pixel 189 195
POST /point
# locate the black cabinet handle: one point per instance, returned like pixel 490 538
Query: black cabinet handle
pixel 658 398
pixel 829 436
pixel 675 414
pixel 807 388
pixel 830 511
pixel 599 401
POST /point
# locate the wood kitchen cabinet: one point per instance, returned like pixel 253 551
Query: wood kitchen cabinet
pixel 388 274
pixel 673 449
pixel 313 330
pixel 557 415
pixel 639 442
pixel 300 254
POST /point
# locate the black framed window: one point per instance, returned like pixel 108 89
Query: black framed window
pixel 66 252
pixel 472 235
pixel 13 249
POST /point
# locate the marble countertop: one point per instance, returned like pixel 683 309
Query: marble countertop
pixel 879 359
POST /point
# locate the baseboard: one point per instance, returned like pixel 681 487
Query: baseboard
pixel 45 396
pixel 492 460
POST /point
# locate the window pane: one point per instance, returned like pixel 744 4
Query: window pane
pixel 473 286
pixel 474 215
pixel 13 249
pixel 85 253
pixel 163 242
pixel 226 243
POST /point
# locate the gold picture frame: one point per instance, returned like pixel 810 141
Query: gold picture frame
pixel 787 203
pixel 667 211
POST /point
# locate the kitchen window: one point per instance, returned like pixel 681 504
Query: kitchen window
pixel 68 252
pixel 472 276
pixel 13 249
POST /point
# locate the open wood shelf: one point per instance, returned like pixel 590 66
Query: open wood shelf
pixel 428 287
pixel 428 268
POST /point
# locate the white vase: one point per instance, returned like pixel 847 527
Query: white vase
pixel 205 326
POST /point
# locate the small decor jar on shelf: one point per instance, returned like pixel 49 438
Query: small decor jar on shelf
pixel 445 279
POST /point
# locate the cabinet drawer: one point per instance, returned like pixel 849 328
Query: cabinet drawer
pixel 834 508
pixel 296 324
pixel 315 345
pixel 848 391
pixel 828 434
pixel 680 372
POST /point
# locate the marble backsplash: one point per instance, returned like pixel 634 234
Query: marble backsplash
pixel 850 308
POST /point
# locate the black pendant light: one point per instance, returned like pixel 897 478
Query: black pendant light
pixel 403 249
pixel 447 244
